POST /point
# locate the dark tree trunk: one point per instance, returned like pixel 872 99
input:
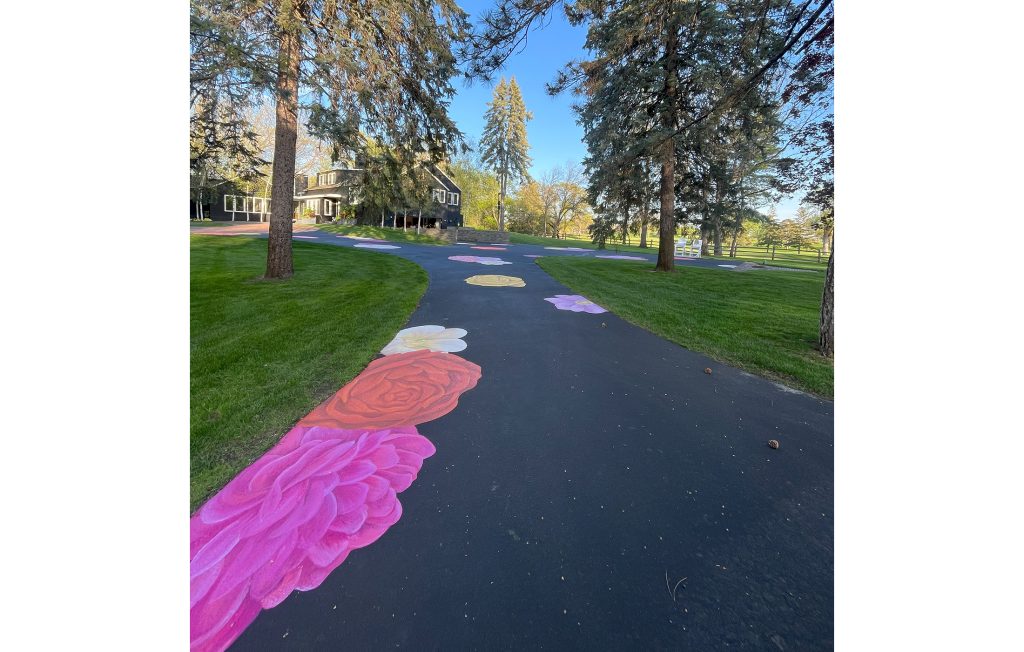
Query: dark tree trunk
pixel 825 329
pixel 666 244
pixel 732 247
pixel 625 224
pixel 643 230
pixel 279 242
pixel 502 183
pixel 716 220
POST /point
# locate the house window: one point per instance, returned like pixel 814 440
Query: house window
pixel 328 207
pixel 439 195
pixel 453 198
pixel 332 178
pixel 229 203
pixel 258 206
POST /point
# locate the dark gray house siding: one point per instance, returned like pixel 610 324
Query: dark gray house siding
pixel 326 196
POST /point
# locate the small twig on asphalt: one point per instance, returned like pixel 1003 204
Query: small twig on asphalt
pixel 676 587
pixel 667 587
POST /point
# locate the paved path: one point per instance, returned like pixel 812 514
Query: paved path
pixel 593 468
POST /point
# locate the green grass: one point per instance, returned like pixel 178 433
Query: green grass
pixel 804 260
pixel 522 238
pixel 385 233
pixel 761 321
pixel 264 353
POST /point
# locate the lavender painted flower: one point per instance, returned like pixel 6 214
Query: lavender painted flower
pixel 575 303
pixel 376 246
pixel 291 518
pixel 483 260
pixel 568 248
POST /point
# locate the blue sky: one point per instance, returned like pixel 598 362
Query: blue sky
pixel 554 136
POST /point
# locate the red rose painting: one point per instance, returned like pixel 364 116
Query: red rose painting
pixel 398 390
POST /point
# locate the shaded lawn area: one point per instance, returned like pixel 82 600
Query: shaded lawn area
pixel 763 322
pixel 386 233
pixel 264 353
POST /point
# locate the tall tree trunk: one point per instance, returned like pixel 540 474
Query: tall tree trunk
pixel 625 224
pixel 666 244
pixel 825 330
pixel 502 181
pixel 716 220
pixel 279 243
pixel 643 229
pixel 732 247
pixel 824 240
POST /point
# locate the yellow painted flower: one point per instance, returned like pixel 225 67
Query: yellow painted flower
pixel 496 280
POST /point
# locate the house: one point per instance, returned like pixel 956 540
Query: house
pixel 332 193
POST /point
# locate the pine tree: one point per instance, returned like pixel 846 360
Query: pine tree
pixel 505 148
pixel 383 68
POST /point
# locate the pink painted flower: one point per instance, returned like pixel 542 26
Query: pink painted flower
pixel 483 260
pixel 575 303
pixel 291 518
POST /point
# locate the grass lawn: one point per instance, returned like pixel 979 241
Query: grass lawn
pixel 764 322
pixel 264 353
pixel 805 260
pixel 522 238
pixel 385 233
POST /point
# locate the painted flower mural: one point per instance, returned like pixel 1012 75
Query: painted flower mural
pixel 483 260
pixel 398 390
pixel 496 280
pixel 575 303
pixel 375 246
pixel 327 488
pixel 431 338
pixel 291 518
pixel 490 248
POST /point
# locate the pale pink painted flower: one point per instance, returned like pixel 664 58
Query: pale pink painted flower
pixel 375 246
pixel 291 518
pixel 575 303
pixel 431 338
pixel 483 260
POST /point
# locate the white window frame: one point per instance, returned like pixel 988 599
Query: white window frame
pixel 453 199
pixel 328 207
pixel 226 198
pixel 439 195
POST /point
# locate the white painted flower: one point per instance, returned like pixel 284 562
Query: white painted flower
pixel 431 337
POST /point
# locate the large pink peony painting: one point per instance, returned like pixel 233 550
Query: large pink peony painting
pixel 329 487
